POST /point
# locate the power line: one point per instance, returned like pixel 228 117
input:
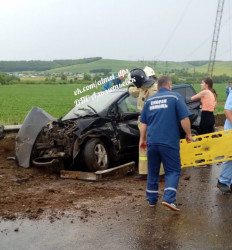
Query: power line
pixel 207 39
pixel 172 34
pixel 224 52
pixel 198 47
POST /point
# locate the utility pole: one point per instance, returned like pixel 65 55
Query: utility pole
pixel 215 37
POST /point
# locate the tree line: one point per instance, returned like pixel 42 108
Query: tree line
pixel 178 77
pixel 15 66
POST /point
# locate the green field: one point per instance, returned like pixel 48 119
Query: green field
pixel 88 65
pixel 17 100
pixel 57 100
pixel 116 65
pixel 160 66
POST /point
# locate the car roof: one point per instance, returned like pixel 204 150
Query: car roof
pixel 179 86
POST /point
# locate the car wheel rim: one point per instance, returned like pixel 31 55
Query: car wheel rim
pixel 101 155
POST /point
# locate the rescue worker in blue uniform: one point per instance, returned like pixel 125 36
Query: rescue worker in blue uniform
pixel 225 180
pixel 116 81
pixel 145 85
pixel 160 118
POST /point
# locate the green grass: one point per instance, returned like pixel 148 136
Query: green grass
pixel 17 100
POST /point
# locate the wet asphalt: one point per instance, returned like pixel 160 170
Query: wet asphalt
pixel 204 222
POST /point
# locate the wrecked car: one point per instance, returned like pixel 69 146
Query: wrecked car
pixel 91 135
pixel 101 130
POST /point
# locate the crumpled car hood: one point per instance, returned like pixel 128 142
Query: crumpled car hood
pixel 33 123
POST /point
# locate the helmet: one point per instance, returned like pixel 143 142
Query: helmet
pixel 149 71
pixel 140 78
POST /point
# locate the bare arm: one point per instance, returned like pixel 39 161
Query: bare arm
pixel 143 138
pixel 197 96
pixel 228 114
pixel 185 123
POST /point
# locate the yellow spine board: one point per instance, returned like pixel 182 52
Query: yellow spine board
pixel 206 149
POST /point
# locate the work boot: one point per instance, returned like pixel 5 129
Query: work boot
pixel 171 206
pixel 224 188
pixel 141 177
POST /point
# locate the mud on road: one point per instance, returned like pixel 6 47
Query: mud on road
pixel 33 193
pixel 39 210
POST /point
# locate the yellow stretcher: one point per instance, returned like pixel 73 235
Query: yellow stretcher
pixel 206 149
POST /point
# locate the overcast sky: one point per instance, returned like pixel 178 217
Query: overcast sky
pixel 170 30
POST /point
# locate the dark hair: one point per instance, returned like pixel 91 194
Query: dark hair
pixel 163 81
pixel 209 82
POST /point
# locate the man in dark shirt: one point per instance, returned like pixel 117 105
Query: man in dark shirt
pixel 160 118
pixel 115 81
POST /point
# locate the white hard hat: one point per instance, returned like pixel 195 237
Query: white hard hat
pixel 149 71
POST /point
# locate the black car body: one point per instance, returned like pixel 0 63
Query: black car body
pixel 91 135
pixel 187 91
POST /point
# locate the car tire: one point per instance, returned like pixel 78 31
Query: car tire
pixel 96 155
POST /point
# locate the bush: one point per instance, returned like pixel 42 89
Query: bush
pixel 6 79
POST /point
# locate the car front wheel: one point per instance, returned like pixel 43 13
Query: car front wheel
pixel 96 155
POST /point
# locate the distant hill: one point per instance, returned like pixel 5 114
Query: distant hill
pixel 116 65
pixel 15 66
pixel 160 67
pixel 98 65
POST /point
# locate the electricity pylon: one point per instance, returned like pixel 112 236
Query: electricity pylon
pixel 215 37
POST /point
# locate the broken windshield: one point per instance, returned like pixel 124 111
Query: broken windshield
pixel 95 103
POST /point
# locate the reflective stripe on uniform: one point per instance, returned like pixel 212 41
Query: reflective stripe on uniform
pixel 143 158
pixel 170 188
pixel 151 191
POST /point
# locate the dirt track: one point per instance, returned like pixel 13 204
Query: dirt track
pixel 34 193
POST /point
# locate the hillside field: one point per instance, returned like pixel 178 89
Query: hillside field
pixel 57 100
pixel 99 65
pixel 160 67
pixel 116 65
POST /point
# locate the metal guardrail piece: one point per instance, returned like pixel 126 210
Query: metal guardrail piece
pixel 118 171
pixel 12 127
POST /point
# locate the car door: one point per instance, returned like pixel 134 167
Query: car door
pixel 187 91
pixel 126 124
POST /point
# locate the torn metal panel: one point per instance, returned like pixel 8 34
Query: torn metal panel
pixel 33 123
